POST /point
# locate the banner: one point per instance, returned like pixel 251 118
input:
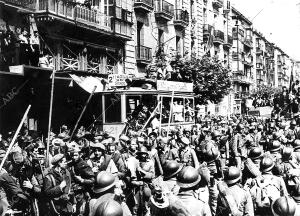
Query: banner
pixel 88 83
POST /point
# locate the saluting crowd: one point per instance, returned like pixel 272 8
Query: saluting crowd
pixel 238 165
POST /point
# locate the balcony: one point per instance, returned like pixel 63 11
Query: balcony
pixel 217 3
pixel 248 42
pixel 164 10
pixel 242 79
pixel 247 61
pixel 218 37
pixel 143 54
pixel 241 95
pixel 21 4
pixel 207 29
pixel 228 42
pixel 72 13
pixel 144 5
pixel 259 51
pixel 181 18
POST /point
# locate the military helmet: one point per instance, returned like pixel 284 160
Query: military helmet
pixel 286 154
pixel 284 206
pixel 212 154
pixel 293 122
pixel 171 168
pixel 188 177
pixel 255 153
pixel 275 146
pixel 296 193
pixel 109 207
pixel 232 175
pixel 266 164
pixel 239 127
pixel 104 182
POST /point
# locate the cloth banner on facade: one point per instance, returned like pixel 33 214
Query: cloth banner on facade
pixel 88 83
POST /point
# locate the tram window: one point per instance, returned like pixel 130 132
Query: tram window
pixel 189 113
pixel 132 102
pixel 165 109
pixel 178 110
pixel 112 108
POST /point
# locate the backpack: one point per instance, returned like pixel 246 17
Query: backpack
pixel 266 192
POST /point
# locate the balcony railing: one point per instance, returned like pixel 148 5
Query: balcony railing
pixel 218 36
pixel 145 5
pixel 81 14
pixel 181 18
pixel 241 95
pixel 248 41
pixel 164 10
pixel 143 54
pixel 242 78
pixel 228 41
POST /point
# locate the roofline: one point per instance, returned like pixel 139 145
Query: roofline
pixel 241 16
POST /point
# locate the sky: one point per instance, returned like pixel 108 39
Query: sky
pixel 278 20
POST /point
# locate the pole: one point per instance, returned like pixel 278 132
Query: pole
pixel 171 112
pixel 151 115
pixel 50 118
pixel 160 117
pixel 15 137
pixel 82 112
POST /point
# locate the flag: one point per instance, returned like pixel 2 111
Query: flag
pixel 88 83
pixel 210 40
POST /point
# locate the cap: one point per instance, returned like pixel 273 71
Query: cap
pixel 57 158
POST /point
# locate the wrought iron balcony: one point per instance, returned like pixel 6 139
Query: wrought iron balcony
pixel 144 5
pixel 207 31
pixel 218 37
pixel 71 12
pixel 181 18
pixel 259 51
pixel 228 41
pixel 143 54
pixel 241 79
pixel 241 95
pixel 248 41
pixel 164 10
pixel 218 3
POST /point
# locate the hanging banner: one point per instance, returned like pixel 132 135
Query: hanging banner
pixel 88 83
pixel 163 85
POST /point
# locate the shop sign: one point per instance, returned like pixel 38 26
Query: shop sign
pixel 19 69
pixel 163 85
pixel 254 112
pixel 118 80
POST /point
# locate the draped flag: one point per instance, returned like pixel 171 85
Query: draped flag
pixel 88 83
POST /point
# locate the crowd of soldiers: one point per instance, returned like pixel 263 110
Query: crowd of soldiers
pixel 220 166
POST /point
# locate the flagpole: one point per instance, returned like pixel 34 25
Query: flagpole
pixel 151 116
pixel 50 118
pixel 82 112
pixel 14 137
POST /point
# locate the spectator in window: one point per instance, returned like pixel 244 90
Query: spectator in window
pixel 24 47
pixel 35 48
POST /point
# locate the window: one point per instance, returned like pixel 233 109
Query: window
pixel 178 45
pixel 112 108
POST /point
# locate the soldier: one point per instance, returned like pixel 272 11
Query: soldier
pixel 104 190
pixel 296 197
pixel 237 148
pixel 290 133
pixel 238 200
pixel 188 179
pixel 57 186
pixel 187 155
pixel 267 187
pixel 171 169
pixel 296 153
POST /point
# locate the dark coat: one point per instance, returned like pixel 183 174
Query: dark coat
pixel 82 169
pixel 52 190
